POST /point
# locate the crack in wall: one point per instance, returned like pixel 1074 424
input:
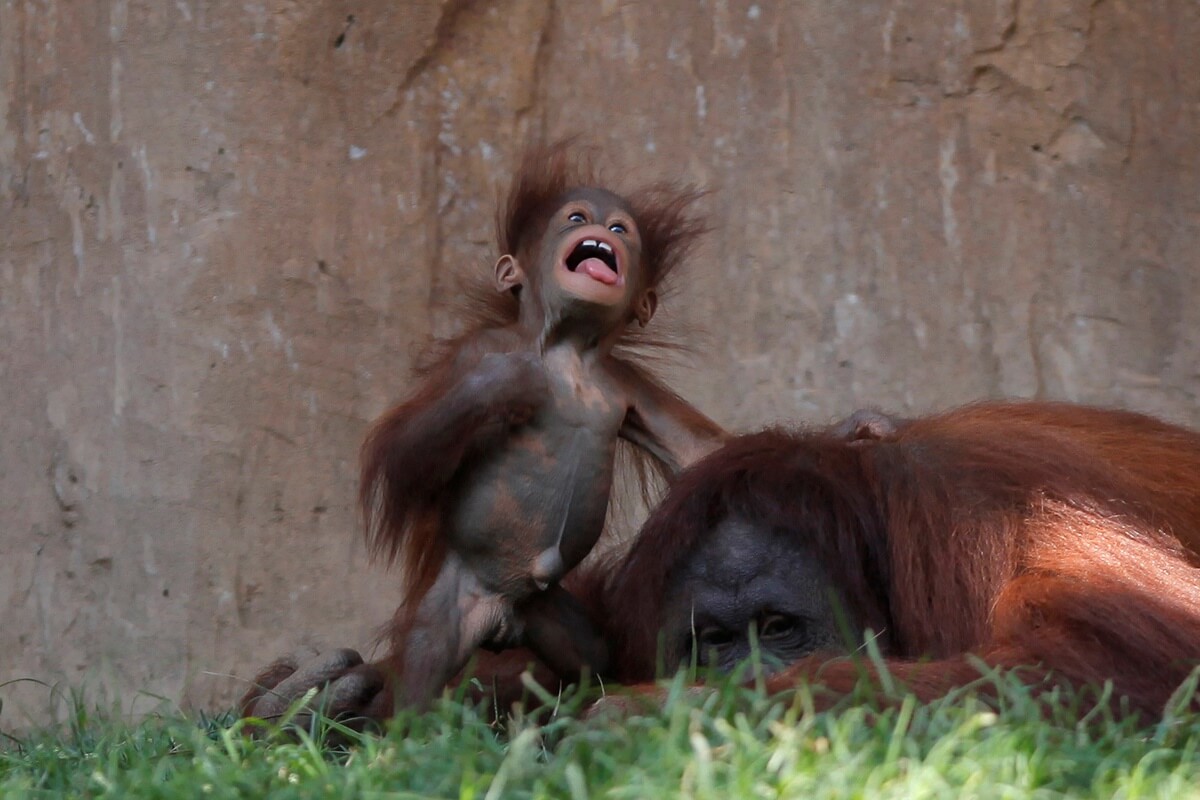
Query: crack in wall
pixel 541 58
pixel 443 35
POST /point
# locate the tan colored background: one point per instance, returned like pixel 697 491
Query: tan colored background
pixel 224 225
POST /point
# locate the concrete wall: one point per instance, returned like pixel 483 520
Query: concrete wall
pixel 224 226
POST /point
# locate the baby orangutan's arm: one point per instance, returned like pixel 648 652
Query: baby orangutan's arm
pixel 415 450
pixel 438 425
pixel 664 424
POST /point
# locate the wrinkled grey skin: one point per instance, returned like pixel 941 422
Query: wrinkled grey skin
pixel 741 584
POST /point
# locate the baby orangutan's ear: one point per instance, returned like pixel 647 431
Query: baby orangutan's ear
pixel 509 275
pixel 644 306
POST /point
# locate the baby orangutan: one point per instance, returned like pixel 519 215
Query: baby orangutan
pixel 493 480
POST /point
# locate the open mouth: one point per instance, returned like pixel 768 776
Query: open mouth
pixel 595 259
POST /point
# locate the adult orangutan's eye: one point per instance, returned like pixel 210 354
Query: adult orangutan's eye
pixel 715 637
pixel 618 227
pixel 577 216
pixel 776 626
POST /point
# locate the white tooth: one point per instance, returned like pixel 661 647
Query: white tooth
pixel 604 246
pixel 589 242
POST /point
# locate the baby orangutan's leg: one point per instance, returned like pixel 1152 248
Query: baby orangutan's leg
pixel 560 632
pixel 456 616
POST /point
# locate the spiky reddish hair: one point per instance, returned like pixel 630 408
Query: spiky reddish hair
pixel 664 212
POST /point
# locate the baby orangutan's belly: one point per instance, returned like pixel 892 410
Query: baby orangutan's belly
pixel 531 514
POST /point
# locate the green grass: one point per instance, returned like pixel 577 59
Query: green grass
pixel 731 742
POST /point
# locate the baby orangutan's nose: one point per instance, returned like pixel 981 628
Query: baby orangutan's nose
pixel 547 568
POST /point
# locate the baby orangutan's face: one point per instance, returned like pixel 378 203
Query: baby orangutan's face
pixel 587 266
pixel 591 249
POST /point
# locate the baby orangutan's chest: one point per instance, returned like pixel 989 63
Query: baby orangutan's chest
pixel 584 396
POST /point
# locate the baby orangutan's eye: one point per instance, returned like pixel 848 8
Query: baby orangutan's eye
pixel 618 227
pixel 577 216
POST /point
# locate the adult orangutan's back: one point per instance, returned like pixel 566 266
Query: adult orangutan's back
pixel 1146 463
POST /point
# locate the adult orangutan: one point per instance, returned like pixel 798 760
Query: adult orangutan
pixel 493 479
pixel 1050 536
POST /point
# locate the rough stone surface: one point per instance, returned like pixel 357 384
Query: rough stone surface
pixel 224 226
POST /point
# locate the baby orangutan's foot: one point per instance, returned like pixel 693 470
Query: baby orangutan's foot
pixel 342 688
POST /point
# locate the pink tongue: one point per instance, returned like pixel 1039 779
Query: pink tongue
pixel 597 270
